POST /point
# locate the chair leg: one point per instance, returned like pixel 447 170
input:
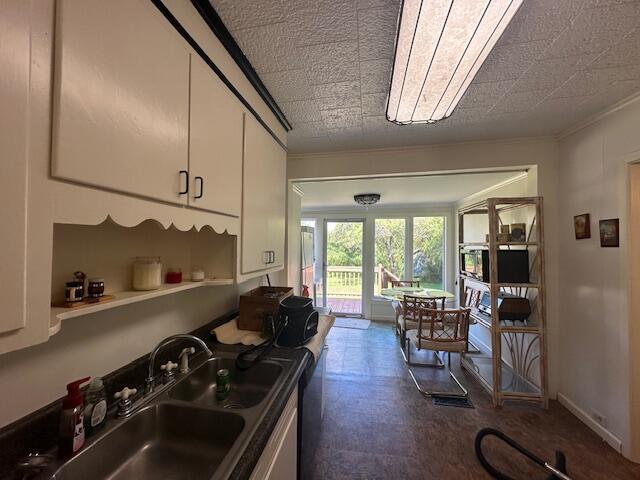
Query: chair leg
pixel 428 393
pixel 439 363
pixel 475 347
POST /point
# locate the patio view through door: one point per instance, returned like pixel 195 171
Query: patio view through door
pixel 342 277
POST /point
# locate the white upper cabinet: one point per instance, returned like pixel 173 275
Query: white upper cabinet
pixel 14 148
pixel 121 98
pixel 215 143
pixel 277 203
pixel 264 193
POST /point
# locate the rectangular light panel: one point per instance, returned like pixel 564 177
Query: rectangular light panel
pixel 440 47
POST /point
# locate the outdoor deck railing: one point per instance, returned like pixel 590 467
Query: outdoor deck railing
pixel 346 281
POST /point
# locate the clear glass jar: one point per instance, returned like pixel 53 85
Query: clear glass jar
pixel 147 273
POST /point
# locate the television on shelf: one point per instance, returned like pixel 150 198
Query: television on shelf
pixel 513 265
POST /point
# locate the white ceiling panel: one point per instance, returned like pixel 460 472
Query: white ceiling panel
pixel 328 63
pixel 400 191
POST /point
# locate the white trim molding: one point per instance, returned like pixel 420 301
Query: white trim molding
pixel 602 432
pixel 598 116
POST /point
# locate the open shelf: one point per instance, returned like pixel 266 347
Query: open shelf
pixel 521 344
pixel 480 365
pixel 508 244
pixel 108 251
pixel 126 298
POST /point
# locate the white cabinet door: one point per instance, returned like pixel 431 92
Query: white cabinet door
pixel 14 148
pixel 257 196
pixel 285 462
pixel 121 98
pixel 279 459
pixel 215 143
pixel 277 203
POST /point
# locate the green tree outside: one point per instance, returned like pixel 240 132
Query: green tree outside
pixel 344 248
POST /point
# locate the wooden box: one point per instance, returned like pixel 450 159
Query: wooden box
pixel 256 304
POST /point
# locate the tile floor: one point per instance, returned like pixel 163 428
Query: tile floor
pixel 377 425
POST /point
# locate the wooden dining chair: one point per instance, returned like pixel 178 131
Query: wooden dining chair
pixel 439 330
pixel 472 298
pixel 405 283
pixel 408 319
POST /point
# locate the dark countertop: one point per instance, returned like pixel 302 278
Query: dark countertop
pixel 38 431
pixel 302 360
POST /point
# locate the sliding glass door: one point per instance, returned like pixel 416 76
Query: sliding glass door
pixel 343 259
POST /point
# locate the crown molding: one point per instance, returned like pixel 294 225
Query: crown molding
pixel 598 116
pixel 431 146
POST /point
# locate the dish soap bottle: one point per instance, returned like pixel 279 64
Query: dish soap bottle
pixel 95 407
pixel 71 421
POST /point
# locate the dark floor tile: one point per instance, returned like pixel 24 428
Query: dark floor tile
pixel 378 426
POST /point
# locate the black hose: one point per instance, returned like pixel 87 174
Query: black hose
pixel 243 362
pixel 495 473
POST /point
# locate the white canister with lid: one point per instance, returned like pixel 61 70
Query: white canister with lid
pixel 147 273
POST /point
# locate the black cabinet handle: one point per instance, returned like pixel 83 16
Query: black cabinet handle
pixel 186 182
pixel 199 195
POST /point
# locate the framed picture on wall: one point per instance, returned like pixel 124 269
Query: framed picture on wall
pixel 582 226
pixel 610 232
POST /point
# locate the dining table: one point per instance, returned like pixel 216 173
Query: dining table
pixel 396 295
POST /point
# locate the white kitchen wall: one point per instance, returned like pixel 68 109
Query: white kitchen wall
pixel 97 344
pixel 594 354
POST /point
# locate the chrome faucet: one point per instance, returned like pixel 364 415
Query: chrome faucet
pixel 163 343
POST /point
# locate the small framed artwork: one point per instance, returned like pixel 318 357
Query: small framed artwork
pixel 518 232
pixel 610 232
pixel 582 226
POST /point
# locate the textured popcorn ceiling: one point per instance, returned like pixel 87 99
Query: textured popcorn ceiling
pixel 328 63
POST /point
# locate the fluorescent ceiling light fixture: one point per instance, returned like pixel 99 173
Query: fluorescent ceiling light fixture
pixel 441 45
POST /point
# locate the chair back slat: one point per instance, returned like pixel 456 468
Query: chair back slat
pixel 471 297
pixel 443 325
pixel 411 305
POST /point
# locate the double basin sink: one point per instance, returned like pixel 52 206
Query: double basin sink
pixel 183 432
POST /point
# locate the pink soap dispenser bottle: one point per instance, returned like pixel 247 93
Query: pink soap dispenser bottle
pixel 71 437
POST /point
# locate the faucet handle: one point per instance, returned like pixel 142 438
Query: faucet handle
pixel 184 358
pixel 125 406
pixel 168 369
pixel 125 393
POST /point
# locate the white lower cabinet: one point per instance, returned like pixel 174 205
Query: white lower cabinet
pixel 279 460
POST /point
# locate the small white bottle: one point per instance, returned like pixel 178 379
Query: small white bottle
pixel 95 407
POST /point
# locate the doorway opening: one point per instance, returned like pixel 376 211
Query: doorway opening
pixel 343 266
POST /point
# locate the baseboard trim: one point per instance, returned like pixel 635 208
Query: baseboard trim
pixel 602 432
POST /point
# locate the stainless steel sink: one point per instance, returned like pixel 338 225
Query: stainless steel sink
pixel 162 441
pixel 248 388
pixel 181 431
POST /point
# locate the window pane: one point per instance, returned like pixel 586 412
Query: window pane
pixel 428 251
pixel 389 259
